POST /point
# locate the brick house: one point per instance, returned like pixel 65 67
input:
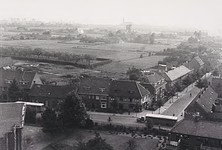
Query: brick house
pixel 196 135
pixel 155 84
pixel 175 75
pixel 49 95
pixel 195 64
pixel 129 94
pixel 11 123
pixel 25 80
pixel 95 92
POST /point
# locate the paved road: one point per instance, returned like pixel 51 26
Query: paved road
pixel 172 106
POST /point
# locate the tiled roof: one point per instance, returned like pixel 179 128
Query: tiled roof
pixel 126 88
pixel 207 99
pixel 50 91
pixel 9 75
pixel 195 63
pixel 97 86
pixel 10 115
pixel 176 73
pixel 152 77
pixel 199 128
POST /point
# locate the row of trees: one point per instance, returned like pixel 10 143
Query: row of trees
pixel 40 53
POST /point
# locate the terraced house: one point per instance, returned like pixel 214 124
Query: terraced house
pixel 129 95
pixel 95 92
pixel 154 83
pixel 25 80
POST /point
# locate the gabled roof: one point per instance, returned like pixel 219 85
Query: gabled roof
pixel 96 86
pixel 207 99
pixel 199 128
pixel 50 91
pixel 176 73
pixel 195 63
pixel 10 115
pixel 127 89
pixel 152 77
pixel 9 75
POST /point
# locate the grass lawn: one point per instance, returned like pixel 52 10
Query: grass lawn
pixel 118 142
pixel 35 139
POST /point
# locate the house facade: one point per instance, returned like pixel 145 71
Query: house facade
pixel 95 92
pixel 25 80
pixel 11 123
pixel 129 95
pixel 155 84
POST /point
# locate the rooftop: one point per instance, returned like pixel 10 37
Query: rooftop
pixel 176 73
pixel 51 91
pixel 199 128
pixel 6 77
pixel 126 88
pixel 94 86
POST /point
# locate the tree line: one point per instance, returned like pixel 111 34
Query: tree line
pixel 40 53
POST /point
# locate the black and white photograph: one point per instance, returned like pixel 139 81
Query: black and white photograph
pixel 110 75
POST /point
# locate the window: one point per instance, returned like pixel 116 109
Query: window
pixel 103 98
pixel 102 89
pixel 23 82
pixel 126 100
pixel 97 97
pixel 103 105
pixel 8 81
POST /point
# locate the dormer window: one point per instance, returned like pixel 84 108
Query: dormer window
pixel 131 91
pixel 8 81
pixel 101 89
pixel 23 82
pixel 86 88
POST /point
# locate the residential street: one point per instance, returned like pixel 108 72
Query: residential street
pixel 172 106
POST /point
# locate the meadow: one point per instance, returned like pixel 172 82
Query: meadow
pixel 124 55
pixel 117 51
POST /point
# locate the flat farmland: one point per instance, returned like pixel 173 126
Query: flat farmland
pixel 116 52
pixel 118 69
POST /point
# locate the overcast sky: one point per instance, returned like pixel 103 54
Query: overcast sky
pixel 203 14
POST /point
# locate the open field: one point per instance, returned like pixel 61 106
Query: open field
pixel 118 51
